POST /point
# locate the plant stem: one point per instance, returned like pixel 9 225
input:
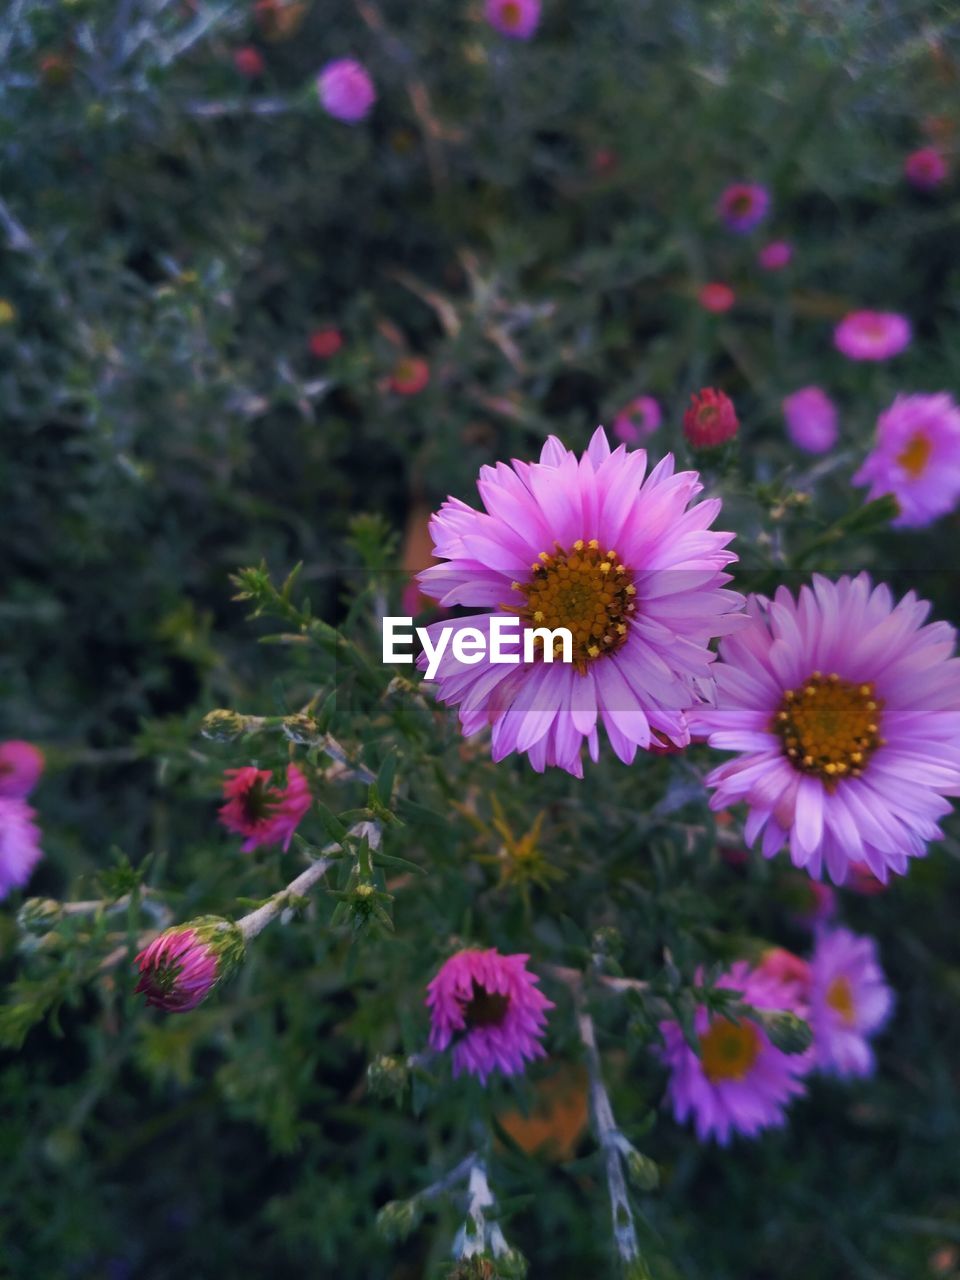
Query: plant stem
pixel 254 923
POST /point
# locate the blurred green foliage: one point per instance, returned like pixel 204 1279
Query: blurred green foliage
pixel 535 220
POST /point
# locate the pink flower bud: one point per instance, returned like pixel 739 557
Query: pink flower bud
pixel 711 419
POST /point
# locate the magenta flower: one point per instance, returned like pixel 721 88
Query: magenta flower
pixel 743 206
pixel 916 458
pixel 739 1083
pixel 489 1007
pixel 775 256
pixel 811 418
pixel 637 420
pixel 21 764
pixel 19 844
pixel 516 18
pixel 849 1001
pixel 180 968
pixel 716 297
pixel 622 561
pixel 346 90
pixel 925 169
pixel 872 335
pixel 845 711
pixel 261 811
pixel 711 420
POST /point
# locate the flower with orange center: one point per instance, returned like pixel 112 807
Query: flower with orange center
pixel 515 18
pixel 916 458
pixel 729 1050
pixel 829 727
pixel 849 1001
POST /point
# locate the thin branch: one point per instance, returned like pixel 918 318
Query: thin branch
pixel 256 921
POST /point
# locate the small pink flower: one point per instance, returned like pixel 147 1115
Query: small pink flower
pixel 716 297
pixel 410 376
pixel 862 880
pixel 815 901
pixel 740 1082
pixel 791 971
pixel 324 343
pixel 925 169
pixel 916 457
pixel 489 1007
pixel 262 812
pixel 518 19
pixel 711 419
pixel 849 1002
pixel 872 335
pixel 637 420
pixel 775 256
pixel 811 418
pixel 249 62
pixel 743 206
pixel 21 764
pixel 346 90
pixel 177 970
pixel 19 844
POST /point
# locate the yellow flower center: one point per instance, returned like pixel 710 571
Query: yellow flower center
pixel 728 1051
pixel 586 590
pixel 840 999
pixel 916 455
pixel 829 727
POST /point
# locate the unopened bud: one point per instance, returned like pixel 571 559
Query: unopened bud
pixel 223 725
pixel 643 1171
pixel 37 915
pixel 387 1077
pixel 180 968
pixel 301 728
pixel 788 1032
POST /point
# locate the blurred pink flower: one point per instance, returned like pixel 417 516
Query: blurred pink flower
pixel 716 297
pixel 637 420
pixel 21 764
pixel 849 1001
pixel 516 18
pixel 489 1007
pixel 811 418
pixel 619 558
pixel 843 709
pixel 916 457
pixel 775 256
pixel 19 844
pixel 872 335
pixel 711 419
pixel 739 1082
pixel 249 61
pixel 925 169
pixel 743 206
pixel 261 811
pixel 346 90
pixel 325 343
pixel 177 970
pixel 791 970
pixel 410 375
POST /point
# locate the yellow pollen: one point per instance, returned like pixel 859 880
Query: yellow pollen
pixel 840 999
pixel 577 590
pixel 727 1050
pixel 832 730
pixel 915 456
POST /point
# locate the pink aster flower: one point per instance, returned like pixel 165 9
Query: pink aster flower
pixel 489 1007
pixel 617 557
pixel 410 376
pixel 716 297
pixel 180 968
pixel 845 711
pixel 775 256
pixel 711 419
pixel 346 90
pixel 637 420
pixel 743 206
pixel 849 1001
pixel 916 458
pixel 925 169
pixel 516 18
pixel 811 418
pixel 739 1082
pixel 249 61
pixel 791 971
pixel 21 764
pixel 261 811
pixel 323 344
pixel 19 844
pixel 872 335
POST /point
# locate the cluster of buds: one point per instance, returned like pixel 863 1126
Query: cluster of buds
pixel 180 968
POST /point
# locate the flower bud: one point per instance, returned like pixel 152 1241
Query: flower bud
pixel 223 725
pixel 643 1171
pixel 180 968
pixel 38 915
pixel 387 1077
pixel 301 728
pixel 398 1218
pixel 788 1032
